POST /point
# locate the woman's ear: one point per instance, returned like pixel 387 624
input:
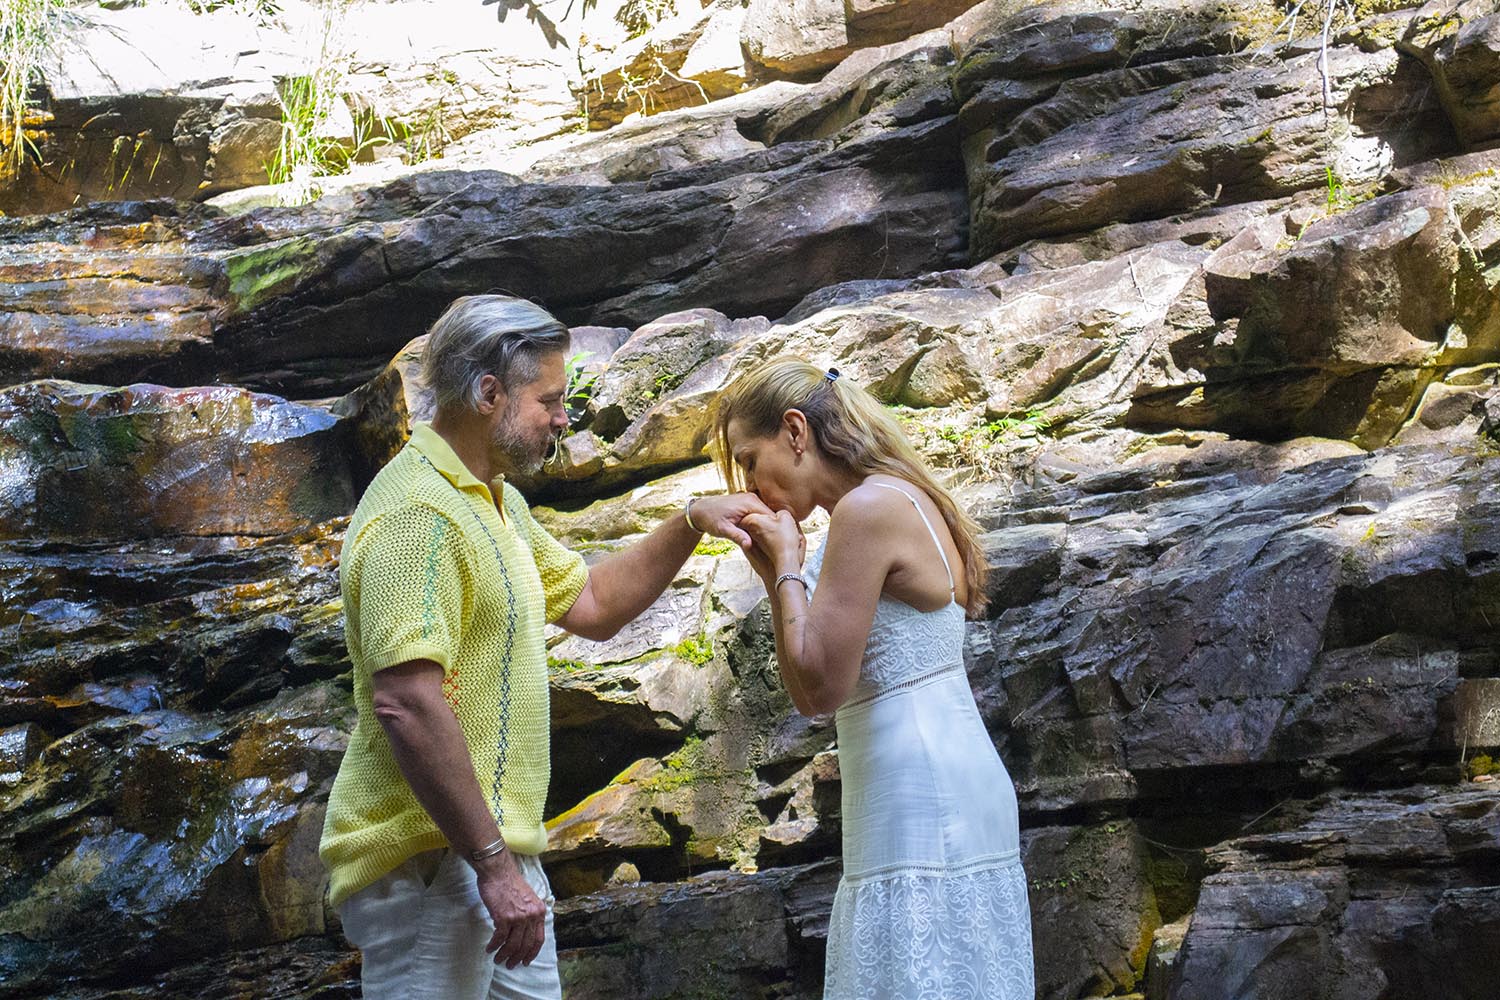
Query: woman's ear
pixel 794 425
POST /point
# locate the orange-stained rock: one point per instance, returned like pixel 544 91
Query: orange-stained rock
pixel 146 461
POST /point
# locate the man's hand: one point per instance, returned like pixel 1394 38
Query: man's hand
pixel 520 917
pixel 721 515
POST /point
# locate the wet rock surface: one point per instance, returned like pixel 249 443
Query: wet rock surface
pixel 1217 375
pixel 1363 896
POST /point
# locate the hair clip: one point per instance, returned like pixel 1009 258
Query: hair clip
pixel 831 375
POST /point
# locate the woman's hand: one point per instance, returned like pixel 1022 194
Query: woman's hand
pixel 722 515
pixel 778 544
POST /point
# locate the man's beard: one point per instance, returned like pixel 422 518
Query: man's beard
pixel 525 455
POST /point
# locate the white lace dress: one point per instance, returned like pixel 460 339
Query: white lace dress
pixel 932 904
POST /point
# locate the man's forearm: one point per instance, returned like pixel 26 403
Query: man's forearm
pixel 627 583
pixel 429 748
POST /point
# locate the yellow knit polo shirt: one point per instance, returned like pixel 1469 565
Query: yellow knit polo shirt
pixel 433 569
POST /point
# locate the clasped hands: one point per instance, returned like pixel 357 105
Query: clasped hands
pixel 772 540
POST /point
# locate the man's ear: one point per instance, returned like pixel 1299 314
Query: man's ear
pixel 491 394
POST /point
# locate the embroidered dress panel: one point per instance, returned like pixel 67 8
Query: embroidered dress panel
pixel 435 568
pixel 904 640
pixel 932 904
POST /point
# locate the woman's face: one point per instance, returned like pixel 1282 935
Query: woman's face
pixel 772 469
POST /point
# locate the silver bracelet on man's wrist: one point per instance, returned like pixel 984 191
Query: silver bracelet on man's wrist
pixel 687 514
pixel 497 846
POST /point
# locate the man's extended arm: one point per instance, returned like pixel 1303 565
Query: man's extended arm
pixel 625 584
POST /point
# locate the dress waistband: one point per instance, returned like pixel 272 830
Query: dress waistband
pixel 900 687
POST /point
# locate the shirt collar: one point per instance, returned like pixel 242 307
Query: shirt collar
pixel 443 458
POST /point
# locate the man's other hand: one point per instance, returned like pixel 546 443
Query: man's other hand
pixel 519 915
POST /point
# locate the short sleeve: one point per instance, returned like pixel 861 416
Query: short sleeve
pixel 408 588
pixel 564 573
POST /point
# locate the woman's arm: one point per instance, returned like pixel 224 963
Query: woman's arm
pixel 820 642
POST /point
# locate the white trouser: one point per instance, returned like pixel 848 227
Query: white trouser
pixel 422 929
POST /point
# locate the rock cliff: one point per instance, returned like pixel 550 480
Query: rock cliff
pixel 1194 304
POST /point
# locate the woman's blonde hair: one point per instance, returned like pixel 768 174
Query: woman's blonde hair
pixel 852 430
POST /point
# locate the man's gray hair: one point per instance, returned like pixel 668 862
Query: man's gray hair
pixel 481 335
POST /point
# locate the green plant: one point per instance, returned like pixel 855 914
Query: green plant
pixel 426 141
pixel 306 105
pixel 264 11
pixel 1447 177
pixel 664 383
pixel 28 29
pixel 425 138
pixel 994 430
pixel 640 16
pixel 306 151
pixel 1072 877
pixel 555 665
pixel 684 766
pixel 1337 193
pixel 710 546
pixel 1480 764
pixel 972 447
pixel 697 650
pixel 1034 419
pixel 580 381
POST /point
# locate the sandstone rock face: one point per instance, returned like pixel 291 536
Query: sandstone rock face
pixel 1350 355
pixel 1334 680
pixel 693 57
pixel 192 727
pixel 1216 372
pixel 132 112
pixel 1092 898
pixel 1092 123
pixel 642 942
pixel 1280 914
pixel 157 101
pixel 293 288
pixel 145 302
pixel 805 36
pixel 1459 44
pixel 83 461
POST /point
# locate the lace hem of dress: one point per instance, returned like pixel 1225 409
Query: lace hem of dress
pixel 982 863
pixel 917 936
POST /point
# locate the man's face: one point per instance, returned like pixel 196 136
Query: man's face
pixel 532 416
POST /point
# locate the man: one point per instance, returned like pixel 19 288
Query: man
pixel 435 819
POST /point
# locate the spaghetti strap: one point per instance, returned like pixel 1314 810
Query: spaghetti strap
pixel 952 589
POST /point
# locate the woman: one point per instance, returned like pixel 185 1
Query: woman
pixel 932 903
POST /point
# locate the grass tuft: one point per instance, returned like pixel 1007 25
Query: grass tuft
pixel 308 103
pixel 28 31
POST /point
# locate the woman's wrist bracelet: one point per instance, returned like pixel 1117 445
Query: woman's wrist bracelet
pixel 806 587
pixel 489 850
pixel 687 515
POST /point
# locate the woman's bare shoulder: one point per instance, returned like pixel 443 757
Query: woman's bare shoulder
pixel 872 505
